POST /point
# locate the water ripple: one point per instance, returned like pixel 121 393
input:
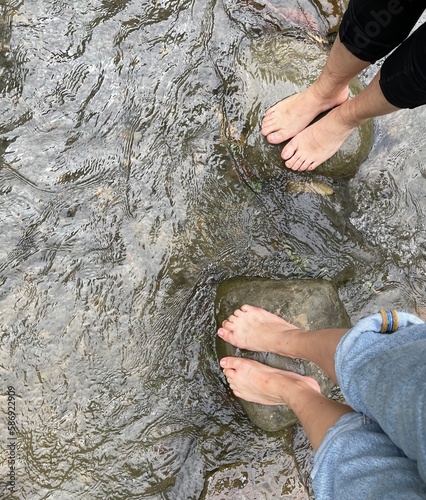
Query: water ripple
pixel 130 185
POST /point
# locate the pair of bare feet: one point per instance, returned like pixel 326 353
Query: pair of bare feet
pixel 258 330
pixel 310 145
pixel 255 329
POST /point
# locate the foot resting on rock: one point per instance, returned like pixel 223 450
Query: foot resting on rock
pixel 318 142
pixel 255 329
pixel 291 115
pixel 259 383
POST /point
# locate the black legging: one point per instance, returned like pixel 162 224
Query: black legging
pixel 371 29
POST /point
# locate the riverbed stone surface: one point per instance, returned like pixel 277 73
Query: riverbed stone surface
pixel 322 16
pixel 267 479
pixel 309 304
pixel 269 69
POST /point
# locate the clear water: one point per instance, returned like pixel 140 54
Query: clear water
pixel 121 208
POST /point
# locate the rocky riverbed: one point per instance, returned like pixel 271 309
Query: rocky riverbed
pixel 133 182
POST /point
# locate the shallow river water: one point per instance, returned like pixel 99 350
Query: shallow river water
pixel 121 209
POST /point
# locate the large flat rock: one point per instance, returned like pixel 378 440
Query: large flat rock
pixel 309 304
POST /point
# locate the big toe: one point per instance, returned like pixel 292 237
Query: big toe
pixel 230 362
pixel 224 334
pixel 288 150
pixel 278 137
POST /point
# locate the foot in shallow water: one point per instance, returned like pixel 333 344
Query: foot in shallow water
pixel 318 142
pixel 291 115
pixel 259 383
pixel 258 330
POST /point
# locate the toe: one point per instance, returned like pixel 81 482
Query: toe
pixel 237 312
pixel 270 111
pixel 294 163
pixel 278 137
pixel 235 391
pixel 291 163
pixel 230 363
pixel 304 165
pixel 223 333
pixel 288 150
pixel 227 326
pixel 268 120
pixel 268 127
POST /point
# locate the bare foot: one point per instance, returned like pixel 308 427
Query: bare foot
pixel 259 383
pixel 318 142
pixel 291 115
pixel 258 330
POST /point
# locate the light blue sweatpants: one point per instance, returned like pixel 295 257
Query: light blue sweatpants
pixel 378 453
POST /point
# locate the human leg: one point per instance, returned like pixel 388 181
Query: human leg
pixel 258 383
pixel 356 459
pixel 258 330
pixel 370 29
pixel 400 84
pixel 321 140
pixel 384 377
pixel 403 74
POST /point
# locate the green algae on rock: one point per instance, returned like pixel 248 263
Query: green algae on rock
pixel 309 304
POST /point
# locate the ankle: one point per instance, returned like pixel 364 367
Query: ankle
pixel 292 344
pixel 325 88
pixel 350 114
pixel 299 394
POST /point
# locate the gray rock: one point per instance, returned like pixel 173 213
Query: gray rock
pixel 309 304
pixel 254 480
pixel 322 16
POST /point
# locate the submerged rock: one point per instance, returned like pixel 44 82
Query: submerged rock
pixel 309 304
pixel 309 186
pixel 327 17
pixel 268 70
pixel 266 479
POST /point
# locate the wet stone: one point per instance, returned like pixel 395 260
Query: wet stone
pixel 268 479
pixel 268 70
pixel 322 17
pixel 309 304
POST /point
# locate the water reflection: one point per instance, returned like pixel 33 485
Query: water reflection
pixel 120 209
